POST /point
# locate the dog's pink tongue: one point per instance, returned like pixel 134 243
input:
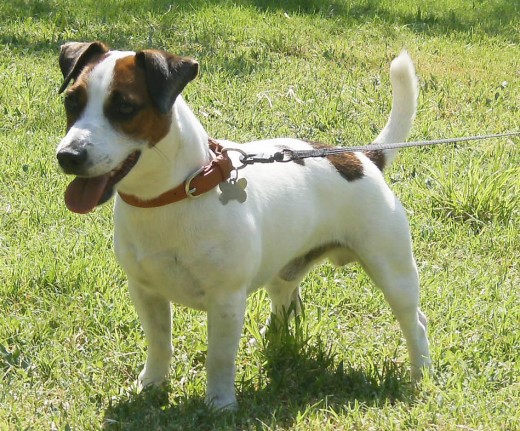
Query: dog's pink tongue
pixel 83 194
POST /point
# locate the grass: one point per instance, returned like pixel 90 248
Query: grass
pixel 70 342
pixel 485 195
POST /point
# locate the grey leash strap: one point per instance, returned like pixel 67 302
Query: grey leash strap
pixel 288 155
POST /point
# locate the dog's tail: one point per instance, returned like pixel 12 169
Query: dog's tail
pixel 405 90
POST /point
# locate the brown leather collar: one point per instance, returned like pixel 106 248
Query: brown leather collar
pixel 202 181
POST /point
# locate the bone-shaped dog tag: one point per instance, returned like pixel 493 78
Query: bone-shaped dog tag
pixel 233 190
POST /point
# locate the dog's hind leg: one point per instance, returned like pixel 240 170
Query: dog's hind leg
pixel 285 302
pixel 155 315
pixel 284 289
pixel 284 296
pixel 390 264
pixel 400 285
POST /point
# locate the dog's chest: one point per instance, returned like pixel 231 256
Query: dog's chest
pixel 165 273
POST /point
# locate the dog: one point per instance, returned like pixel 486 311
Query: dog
pixel 188 230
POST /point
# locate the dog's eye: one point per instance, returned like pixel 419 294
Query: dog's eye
pixel 122 107
pixel 126 108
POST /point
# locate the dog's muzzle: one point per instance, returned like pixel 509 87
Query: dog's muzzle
pixel 73 158
pixel 86 192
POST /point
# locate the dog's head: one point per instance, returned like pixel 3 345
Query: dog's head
pixel 119 105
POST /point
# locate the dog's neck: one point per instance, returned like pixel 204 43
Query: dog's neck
pixel 166 165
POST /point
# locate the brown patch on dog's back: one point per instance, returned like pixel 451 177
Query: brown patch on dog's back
pixel 129 90
pixel 377 157
pixel 348 165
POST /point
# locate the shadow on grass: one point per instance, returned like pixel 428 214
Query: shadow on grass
pixel 298 376
pixel 498 18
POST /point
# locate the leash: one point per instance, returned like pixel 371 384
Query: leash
pixel 288 155
pixel 220 168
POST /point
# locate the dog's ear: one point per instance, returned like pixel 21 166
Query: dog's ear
pixel 74 56
pixel 166 76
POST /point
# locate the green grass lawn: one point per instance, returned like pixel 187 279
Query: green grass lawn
pixel 70 342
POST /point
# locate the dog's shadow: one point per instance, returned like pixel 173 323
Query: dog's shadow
pixel 297 374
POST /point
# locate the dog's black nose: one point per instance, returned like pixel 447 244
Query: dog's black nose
pixel 72 159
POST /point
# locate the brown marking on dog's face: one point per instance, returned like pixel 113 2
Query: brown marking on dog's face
pixel 129 107
pixel 77 59
pixel 300 265
pixel 76 97
pixel 75 101
pixel 348 165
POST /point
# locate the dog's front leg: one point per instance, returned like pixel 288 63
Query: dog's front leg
pixel 225 320
pixel 155 315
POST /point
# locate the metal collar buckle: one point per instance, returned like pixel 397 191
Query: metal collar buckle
pixel 187 185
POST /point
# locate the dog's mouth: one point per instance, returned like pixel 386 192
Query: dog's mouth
pixel 84 194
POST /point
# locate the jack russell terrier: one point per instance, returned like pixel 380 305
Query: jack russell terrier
pixel 189 231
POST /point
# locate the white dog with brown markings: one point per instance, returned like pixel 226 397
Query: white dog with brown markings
pixel 188 231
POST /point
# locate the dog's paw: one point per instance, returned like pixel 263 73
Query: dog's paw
pixel 147 378
pixel 222 403
pixel 418 372
pixel 253 341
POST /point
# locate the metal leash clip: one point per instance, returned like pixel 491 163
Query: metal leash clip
pixel 249 159
pixel 283 156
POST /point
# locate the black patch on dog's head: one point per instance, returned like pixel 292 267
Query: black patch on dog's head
pixel 74 56
pixel 166 75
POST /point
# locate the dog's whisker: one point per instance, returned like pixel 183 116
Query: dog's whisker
pixel 163 155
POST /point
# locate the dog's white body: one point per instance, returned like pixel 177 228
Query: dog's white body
pixel 210 256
